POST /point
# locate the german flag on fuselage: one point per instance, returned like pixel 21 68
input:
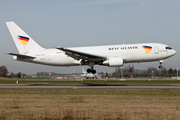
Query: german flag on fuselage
pixel 147 49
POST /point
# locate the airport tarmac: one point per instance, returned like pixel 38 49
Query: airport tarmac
pixel 89 86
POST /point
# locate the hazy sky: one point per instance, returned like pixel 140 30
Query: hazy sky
pixel 72 23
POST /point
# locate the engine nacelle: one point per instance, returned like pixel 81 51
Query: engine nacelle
pixel 114 62
pixel 17 58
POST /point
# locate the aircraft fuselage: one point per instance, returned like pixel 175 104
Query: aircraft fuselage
pixel 129 52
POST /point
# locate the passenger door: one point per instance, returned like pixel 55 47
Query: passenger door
pixel 156 50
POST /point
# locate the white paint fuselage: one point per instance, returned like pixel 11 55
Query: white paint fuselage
pixel 129 52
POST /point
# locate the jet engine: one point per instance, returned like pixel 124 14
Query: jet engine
pixel 17 58
pixel 114 61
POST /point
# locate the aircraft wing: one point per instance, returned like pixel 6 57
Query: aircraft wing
pixel 81 55
pixel 20 55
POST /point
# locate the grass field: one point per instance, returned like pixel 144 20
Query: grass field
pixel 85 104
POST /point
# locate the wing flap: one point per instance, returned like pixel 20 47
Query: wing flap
pixel 20 55
pixel 81 55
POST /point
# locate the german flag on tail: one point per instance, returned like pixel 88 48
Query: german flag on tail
pixel 23 39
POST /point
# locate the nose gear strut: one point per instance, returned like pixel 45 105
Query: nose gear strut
pixel 160 62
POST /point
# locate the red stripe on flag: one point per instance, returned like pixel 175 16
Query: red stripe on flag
pixel 23 39
pixel 147 48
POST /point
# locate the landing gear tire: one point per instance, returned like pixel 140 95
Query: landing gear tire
pixel 160 62
pixel 91 71
pixel 160 67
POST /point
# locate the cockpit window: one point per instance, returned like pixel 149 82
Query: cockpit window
pixel 168 48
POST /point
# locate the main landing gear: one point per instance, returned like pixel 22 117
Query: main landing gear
pixel 91 70
pixel 160 62
pixel 91 64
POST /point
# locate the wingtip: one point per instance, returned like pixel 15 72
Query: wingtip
pixel 59 47
pixel 7 53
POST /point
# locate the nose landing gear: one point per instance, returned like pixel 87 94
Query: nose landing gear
pixel 160 66
pixel 160 62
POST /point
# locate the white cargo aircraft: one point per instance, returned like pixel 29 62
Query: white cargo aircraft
pixel 109 55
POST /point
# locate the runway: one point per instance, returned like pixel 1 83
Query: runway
pixel 89 86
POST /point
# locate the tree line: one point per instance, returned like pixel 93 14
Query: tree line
pixel 5 73
pixel 150 72
pixel 128 71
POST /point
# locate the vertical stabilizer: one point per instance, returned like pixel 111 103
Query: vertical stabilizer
pixel 23 41
pixel 83 71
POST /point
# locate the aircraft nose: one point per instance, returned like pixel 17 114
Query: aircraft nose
pixel 174 52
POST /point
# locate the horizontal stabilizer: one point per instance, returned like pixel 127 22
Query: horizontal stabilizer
pixel 20 55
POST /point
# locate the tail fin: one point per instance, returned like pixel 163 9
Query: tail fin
pixel 83 71
pixel 23 41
